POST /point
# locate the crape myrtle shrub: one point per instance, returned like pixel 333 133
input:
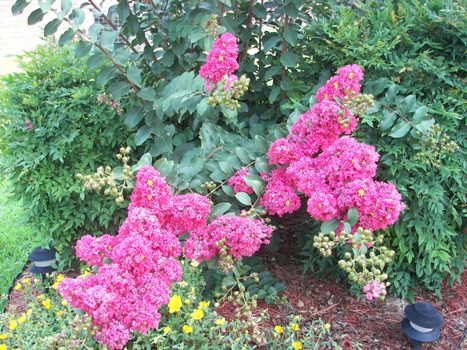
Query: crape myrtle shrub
pixel 52 127
pixel 413 54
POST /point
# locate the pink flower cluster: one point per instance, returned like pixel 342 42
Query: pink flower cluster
pixel 237 182
pixel 346 83
pixel 335 173
pixel 221 62
pixel 374 290
pixel 137 267
pixel 241 235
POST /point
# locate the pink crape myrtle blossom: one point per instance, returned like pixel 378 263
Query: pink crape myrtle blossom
pixel 137 267
pixel 335 172
pixel 242 236
pixel 374 290
pixel 221 61
pixel 237 182
pixel 345 84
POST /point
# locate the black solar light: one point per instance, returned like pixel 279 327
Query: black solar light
pixel 42 260
pixel 422 324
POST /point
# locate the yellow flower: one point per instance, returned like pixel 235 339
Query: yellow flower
pixel 60 313
pixel 22 318
pixel 3 336
pixel 12 325
pixel 197 314
pixel 187 301
pixel 46 304
pixel 187 329
pixel 278 329
pixel 175 304
pixel 194 263
pixel 40 296
pixel 167 330
pixel 60 278
pixel 64 302
pixel 55 285
pixel 297 345
pixel 327 327
pixel 18 286
pixel 204 304
pixel 183 284
pixel 295 327
pixel 26 281
pixel 3 347
pixel 85 273
pixel 220 321
pixel 29 312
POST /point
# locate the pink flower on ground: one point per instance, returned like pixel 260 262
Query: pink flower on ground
pixel 28 124
pixel 374 290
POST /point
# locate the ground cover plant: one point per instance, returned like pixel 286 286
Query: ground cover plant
pixel 230 136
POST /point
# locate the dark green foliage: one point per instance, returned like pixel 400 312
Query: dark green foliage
pixel 410 50
pixel 70 134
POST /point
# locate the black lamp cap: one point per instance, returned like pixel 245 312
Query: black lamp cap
pixel 423 314
pixel 419 336
pixel 41 270
pixel 40 254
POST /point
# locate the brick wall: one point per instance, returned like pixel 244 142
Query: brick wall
pixel 16 35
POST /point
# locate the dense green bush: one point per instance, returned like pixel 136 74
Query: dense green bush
pixel 52 128
pixel 410 50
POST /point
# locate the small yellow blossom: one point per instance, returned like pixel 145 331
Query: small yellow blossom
pixel 55 285
pixel 22 318
pixel 64 302
pixel 26 281
pixel 295 327
pixel 60 278
pixel 278 329
pixel 18 286
pixel 12 325
pixel 220 321
pixel 46 304
pixel 40 296
pixel 183 284
pixel 297 345
pixel 204 304
pixel 3 347
pixel 187 301
pixel 192 290
pixel 327 326
pixel 175 304
pixel 187 329
pixel 167 330
pixel 85 273
pixel 3 336
pixel 156 339
pixel 60 313
pixel 197 314
pixel 194 263
pixel 29 312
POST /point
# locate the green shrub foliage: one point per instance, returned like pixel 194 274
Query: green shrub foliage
pixel 413 53
pixel 52 128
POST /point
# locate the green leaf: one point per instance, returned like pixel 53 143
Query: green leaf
pixel 123 10
pixel 83 48
pixel 77 18
pixel 400 129
pixel 347 227
pixel 147 93
pixel 291 35
pixel 259 11
pixel 134 74
pixel 134 116
pixel 51 27
pixel 243 198
pixel 19 6
pixel 35 17
pixel 419 115
pixel 66 6
pixel 94 31
pixel 388 119
pixel 270 43
pixel 106 74
pixel 275 91
pixel 142 135
pixel 164 166
pixel 256 183
pixel 118 88
pixel 407 104
pixel 328 226
pixel 352 216
pixel 391 93
pixel 95 61
pixel 146 159
pixel 66 37
pixel 107 39
pixel 220 209
pixel 45 5
pixel 289 59
pixel 242 153
pixel 425 125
